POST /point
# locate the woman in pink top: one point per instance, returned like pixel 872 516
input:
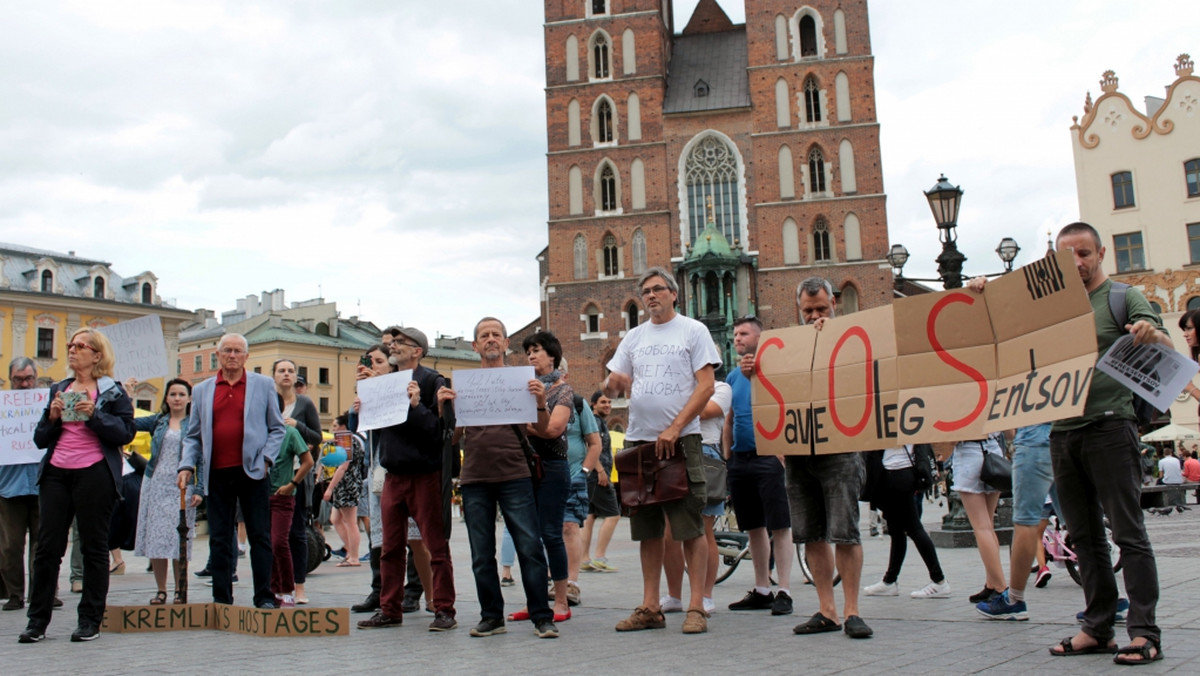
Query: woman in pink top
pixel 87 420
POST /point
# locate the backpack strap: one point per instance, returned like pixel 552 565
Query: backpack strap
pixel 1117 303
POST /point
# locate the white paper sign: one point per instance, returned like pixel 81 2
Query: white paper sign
pixel 20 411
pixel 1153 372
pixel 384 400
pixel 140 349
pixel 494 396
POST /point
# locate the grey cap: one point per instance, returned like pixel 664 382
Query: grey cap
pixel 416 336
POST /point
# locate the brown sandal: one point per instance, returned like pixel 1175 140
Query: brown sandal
pixel 179 600
pixel 159 599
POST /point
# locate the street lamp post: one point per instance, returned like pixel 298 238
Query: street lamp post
pixel 944 201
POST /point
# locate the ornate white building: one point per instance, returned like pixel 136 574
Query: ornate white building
pixel 1138 179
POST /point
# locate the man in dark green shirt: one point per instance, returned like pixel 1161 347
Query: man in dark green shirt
pixel 1098 473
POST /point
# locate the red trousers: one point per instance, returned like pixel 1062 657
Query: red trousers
pixel 283 577
pixel 418 496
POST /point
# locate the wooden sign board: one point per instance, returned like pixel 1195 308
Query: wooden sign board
pixel 938 367
pixel 221 617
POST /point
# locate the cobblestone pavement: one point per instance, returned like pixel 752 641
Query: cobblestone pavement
pixel 911 636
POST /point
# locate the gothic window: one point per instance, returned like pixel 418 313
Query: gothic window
pixel 808 36
pixel 848 301
pixel 821 248
pixel 47 281
pixel 639 252
pixel 1122 187
pixel 580 257
pixel 601 67
pixel 816 171
pixel 98 287
pixel 631 316
pixel 812 100
pixel 711 172
pixel 610 255
pixel 608 189
pixel 604 122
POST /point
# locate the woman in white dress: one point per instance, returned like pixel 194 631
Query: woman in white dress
pixel 158 514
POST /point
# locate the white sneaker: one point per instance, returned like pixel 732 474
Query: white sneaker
pixel 933 590
pixel 671 604
pixel 882 589
pixel 709 605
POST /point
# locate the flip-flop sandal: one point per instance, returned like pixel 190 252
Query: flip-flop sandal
pixel 1069 650
pixel 348 564
pixel 817 624
pixel 159 599
pixel 1143 651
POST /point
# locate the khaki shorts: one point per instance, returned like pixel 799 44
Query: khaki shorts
pixel 649 522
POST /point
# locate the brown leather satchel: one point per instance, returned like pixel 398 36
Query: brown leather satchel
pixel 647 480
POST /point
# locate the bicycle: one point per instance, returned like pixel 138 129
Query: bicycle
pixel 1057 543
pixel 734 547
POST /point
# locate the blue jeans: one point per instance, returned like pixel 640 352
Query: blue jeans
pixel 551 497
pixel 516 503
pixel 1033 478
pixel 226 488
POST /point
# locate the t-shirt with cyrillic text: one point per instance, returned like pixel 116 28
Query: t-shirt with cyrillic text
pixel 662 359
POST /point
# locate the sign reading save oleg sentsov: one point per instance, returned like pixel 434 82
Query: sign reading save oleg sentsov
pixel 938 367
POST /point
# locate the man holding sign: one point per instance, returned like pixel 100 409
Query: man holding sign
pixel 823 492
pixel 495 473
pixel 667 367
pixel 1098 474
pixel 411 452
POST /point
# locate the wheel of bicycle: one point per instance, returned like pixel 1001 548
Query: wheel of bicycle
pixel 802 561
pixel 1073 565
pixel 733 551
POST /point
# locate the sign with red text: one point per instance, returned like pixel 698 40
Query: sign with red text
pixel 20 411
pixel 938 367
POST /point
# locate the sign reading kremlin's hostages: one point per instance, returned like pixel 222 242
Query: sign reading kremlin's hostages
pixel 944 366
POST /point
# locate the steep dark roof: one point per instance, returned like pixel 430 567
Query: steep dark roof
pixel 720 60
pixel 708 18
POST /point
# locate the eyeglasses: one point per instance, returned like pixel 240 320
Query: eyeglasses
pixel 399 343
pixel 231 350
pixel 79 346
pixel 24 379
pixel 656 289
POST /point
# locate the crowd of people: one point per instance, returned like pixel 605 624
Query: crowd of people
pixel 247 443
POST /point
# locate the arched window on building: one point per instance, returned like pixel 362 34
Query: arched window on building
pixel 791 242
pixel 1193 303
pixel 608 189
pixel 808 36
pixel 611 256
pixel 628 52
pixel 98 287
pixel 147 293
pixel 572 50
pixel 639 252
pixel 816 171
pixel 781 38
pixel 581 266
pixel 604 122
pixel 711 171
pixel 849 300
pixel 812 100
pixel 631 316
pixel 822 250
pixel 47 281
pixel 601 54
pixel 592 318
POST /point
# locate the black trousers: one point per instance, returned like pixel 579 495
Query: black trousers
pixel 86 496
pixel 899 508
pixel 226 488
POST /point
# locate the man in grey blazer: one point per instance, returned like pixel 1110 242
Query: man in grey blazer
pixel 233 438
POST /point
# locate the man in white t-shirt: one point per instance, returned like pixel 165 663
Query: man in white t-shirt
pixel 667 368
pixel 1170 472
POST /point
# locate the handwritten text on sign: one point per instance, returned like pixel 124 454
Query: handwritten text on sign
pixel 384 400
pixel 20 411
pixel 140 349
pixel 937 367
pixel 494 396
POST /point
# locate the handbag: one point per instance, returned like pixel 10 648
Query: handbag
pixel 716 477
pixel 377 476
pixel 996 471
pixel 532 459
pixel 647 479
pixel 923 467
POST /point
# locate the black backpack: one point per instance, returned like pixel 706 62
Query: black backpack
pixel 1118 306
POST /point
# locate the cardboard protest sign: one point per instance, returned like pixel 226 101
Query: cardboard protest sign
pixel 494 396
pixel 222 617
pixel 140 349
pixel 384 400
pixel 20 411
pixel 945 366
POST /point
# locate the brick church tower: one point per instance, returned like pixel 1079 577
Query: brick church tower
pixel 763 134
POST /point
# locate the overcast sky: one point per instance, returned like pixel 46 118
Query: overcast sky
pixel 389 155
